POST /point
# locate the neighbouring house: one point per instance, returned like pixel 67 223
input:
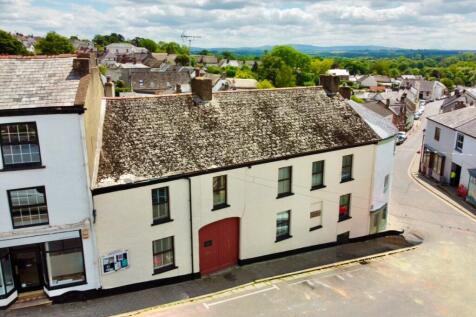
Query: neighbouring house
pixel 343 74
pixel 123 72
pixel 241 83
pixel 397 107
pixel 47 138
pixel 383 167
pixel 252 64
pixel 449 150
pixel 189 184
pixel 154 81
pixel 205 60
pixel 29 41
pixel 230 62
pixel 427 89
pixel 383 80
pixel 367 81
pixel 83 46
pixel 123 53
pixel 462 97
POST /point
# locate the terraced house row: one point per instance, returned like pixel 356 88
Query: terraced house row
pixel 102 194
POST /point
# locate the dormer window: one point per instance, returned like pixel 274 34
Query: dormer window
pixel 19 143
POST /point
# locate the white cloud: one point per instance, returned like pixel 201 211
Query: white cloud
pixel 443 24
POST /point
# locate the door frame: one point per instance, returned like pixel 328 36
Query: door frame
pixel 39 263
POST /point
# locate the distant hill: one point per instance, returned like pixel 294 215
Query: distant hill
pixel 338 51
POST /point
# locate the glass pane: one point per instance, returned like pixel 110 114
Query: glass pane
pixel 219 197
pixel 284 186
pixel 284 173
pixel 6 268
pixel 65 267
pixel 316 179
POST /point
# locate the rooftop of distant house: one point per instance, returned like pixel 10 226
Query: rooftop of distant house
pixel 40 82
pixel 161 137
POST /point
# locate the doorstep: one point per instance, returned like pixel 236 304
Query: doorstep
pixel 30 299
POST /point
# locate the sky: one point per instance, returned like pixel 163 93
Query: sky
pixel 417 24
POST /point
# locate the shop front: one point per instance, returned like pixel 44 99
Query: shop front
pixel 471 197
pixel 378 219
pixel 432 164
pixel 47 266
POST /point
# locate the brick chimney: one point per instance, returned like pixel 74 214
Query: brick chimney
pixel 345 92
pixel 202 88
pixel 330 84
pixel 81 65
pixel 109 90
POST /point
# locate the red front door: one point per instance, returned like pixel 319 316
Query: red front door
pixel 219 245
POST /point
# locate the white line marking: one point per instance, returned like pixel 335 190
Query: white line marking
pixel 340 277
pixel 299 282
pixel 349 275
pixel 241 296
pixel 324 284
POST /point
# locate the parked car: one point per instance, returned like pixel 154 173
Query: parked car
pixel 401 137
pixel 417 115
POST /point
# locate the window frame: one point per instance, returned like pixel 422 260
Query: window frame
pixel 436 135
pixel 322 165
pixel 349 204
pixel 168 217
pixel 6 254
pixel 386 183
pixel 224 204
pixel 10 204
pixel 21 165
pixel 350 166
pixel 288 222
pixel 457 148
pixel 290 179
pixel 46 269
pixel 167 267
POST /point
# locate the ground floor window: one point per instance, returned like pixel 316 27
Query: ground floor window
pixel 65 262
pixel 6 274
pixel 378 219
pixel 471 197
pixel 163 253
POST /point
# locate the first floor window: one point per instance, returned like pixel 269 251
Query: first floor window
pixel 437 134
pixel 346 174
pixel 19 143
pixel 459 142
pixel 283 225
pixel 316 216
pixel 6 274
pixel 160 204
pixel 284 180
pixel 344 207
pixel 219 191
pixel 163 253
pixel 317 174
pixel 28 206
pixel 65 262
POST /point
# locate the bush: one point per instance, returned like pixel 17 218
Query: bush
pixel 357 99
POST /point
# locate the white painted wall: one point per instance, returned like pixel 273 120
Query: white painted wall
pixel 384 158
pixel 124 217
pixel 466 158
pixel 61 140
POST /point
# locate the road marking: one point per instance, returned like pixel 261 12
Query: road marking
pixel 340 277
pixel 207 306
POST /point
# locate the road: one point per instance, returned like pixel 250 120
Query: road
pixel 436 279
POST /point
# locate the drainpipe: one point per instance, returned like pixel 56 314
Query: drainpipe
pixel 191 221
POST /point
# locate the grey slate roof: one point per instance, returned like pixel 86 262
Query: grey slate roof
pixel 383 128
pixel 37 82
pixel 463 120
pixel 155 137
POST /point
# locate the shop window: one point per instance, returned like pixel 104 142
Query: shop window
pixel 65 262
pixel 7 284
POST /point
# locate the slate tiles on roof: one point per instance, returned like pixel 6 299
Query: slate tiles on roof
pixel 155 137
pixel 37 82
pixel 463 120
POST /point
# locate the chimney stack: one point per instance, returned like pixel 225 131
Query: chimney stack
pixel 81 65
pixel 202 88
pixel 178 88
pixel 109 90
pixel 330 84
pixel 345 92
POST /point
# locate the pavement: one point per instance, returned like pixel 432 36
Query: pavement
pixel 434 279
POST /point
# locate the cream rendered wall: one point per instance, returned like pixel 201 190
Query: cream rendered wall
pixel 384 157
pixel 124 221
pixel 124 217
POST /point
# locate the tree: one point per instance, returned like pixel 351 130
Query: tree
pixel 228 55
pixel 149 44
pixel 291 57
pixel 357 99
pixel 172 48
pixel 244 73
pixel 264 84
pixel 182 59
pixel 448 83
pixel 204 52
pixel 54 44
pixel 285 77
pixel 320 67
pixel 10 45
pixel 270 67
